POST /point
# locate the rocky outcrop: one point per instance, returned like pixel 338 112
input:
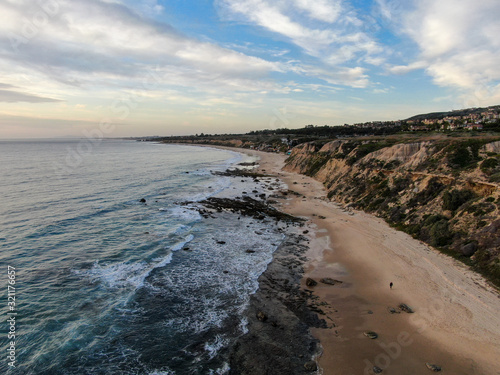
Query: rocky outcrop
pixel 409 155
pixel 278 340
pixel 493 147
pixel 330 281
pixel 331 147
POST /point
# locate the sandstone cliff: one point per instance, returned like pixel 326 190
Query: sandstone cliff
pixel 445 192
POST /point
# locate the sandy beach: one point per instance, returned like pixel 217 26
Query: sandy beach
pixel 456 319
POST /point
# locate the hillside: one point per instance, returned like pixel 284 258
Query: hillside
pixel 442 191
pixel 460 112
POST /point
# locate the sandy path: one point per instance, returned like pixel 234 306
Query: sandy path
pixel 456 323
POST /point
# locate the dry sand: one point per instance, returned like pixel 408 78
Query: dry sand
pixel 456 323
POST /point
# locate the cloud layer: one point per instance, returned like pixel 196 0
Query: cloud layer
pixel 66 57
pixel 457 43
pixel 81 42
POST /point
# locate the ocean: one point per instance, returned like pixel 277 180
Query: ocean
pixel 114 272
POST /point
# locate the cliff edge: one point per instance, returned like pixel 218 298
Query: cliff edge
pixel 444 192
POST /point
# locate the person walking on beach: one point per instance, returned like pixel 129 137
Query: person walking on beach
pixel 390 285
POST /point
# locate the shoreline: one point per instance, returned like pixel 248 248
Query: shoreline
pixel 455 324
pixel 278 340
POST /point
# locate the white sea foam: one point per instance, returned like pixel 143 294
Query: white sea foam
pixel 212 348
pixel 125 274
pixel 201 172
pixel 184 213
pixel 180 245
pixel 181 229
pixel 164 372
pixel 221 371
pixel 212 188
pixel 205 317
pixel 243 326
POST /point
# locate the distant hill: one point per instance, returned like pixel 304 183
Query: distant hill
pixel 460 112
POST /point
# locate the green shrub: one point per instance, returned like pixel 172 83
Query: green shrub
pixel 452 200
pixel 429 220
pixel 464 154
pixel 440 233
pixel 316 162
pixel 433 189
pixel 495 177
pixel 400 184
pixel 367 148
pixel 481 209
pixel 489 165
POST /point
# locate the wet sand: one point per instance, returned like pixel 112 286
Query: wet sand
pixel 456 323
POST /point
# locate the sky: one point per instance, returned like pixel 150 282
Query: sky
pixel 70 68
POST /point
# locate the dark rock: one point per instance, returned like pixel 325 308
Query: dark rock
pixel 377 370
pixel 311 282
pixel 250 251
pixel 225 271
pixel 261 316
pixel 221 242
pixel 371 335
pixel 246 206
pixel 305 232
pixel 247 164
pixel 404 307
pixel 310 366
pixel 142 200
pixel 392 310
pixel 330 281
pixel 186 248
pixel 469 249
pixel 432 367
pixel 284 349
pixel 258 233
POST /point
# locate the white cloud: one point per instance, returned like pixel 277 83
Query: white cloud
pixel 403 69
pixel 14 96
pixel 151 7
pixel 322 10
pixel 458 44
pixel 340 41
pixel 354 77
pixel 93 43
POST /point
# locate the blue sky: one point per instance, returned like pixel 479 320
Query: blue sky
pixel 149 67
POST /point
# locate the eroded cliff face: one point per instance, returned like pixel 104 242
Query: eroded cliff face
pixel 444 192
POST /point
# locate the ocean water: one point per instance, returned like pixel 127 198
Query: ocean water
pixel 104 283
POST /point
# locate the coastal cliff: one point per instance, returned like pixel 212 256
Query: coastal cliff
pixel 444 192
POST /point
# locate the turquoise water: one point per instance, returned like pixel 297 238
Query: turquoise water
pixel 103 285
